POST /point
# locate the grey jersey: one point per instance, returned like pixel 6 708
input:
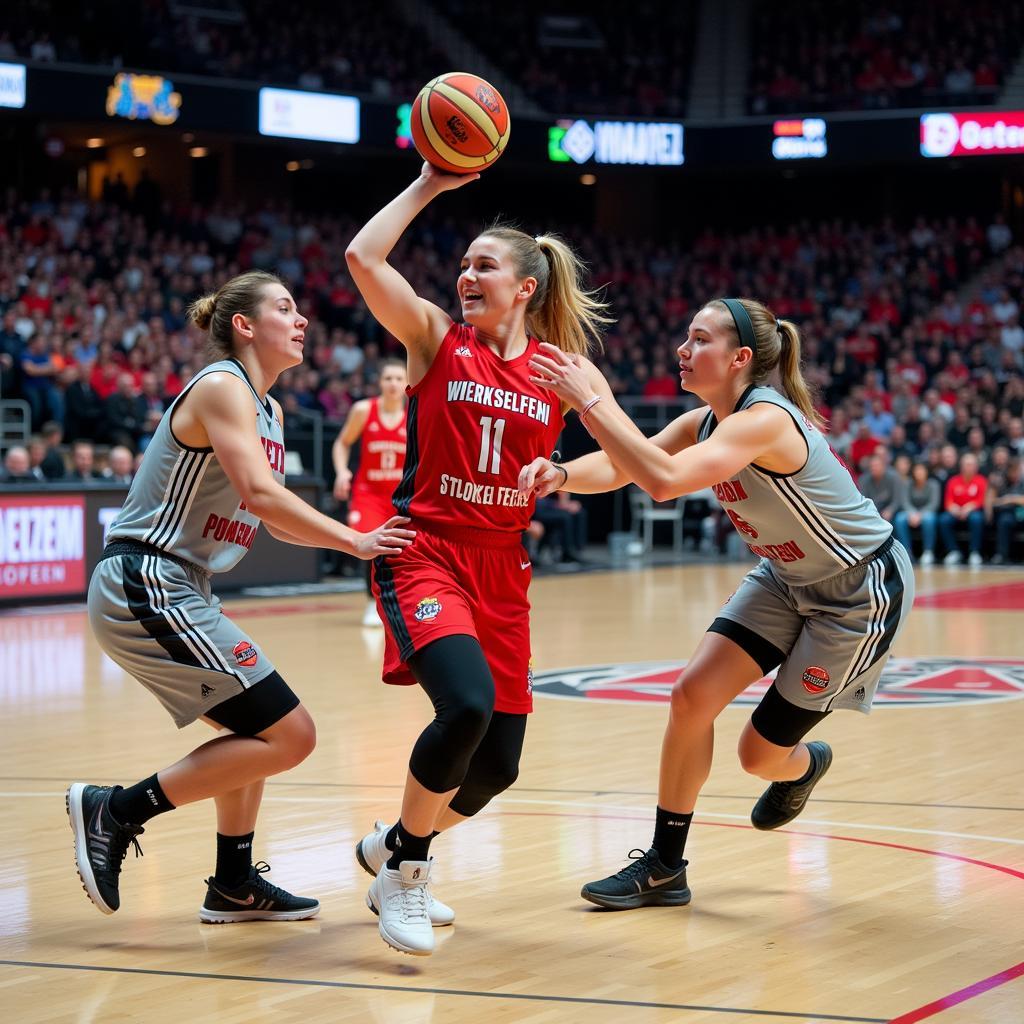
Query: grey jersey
pixel 181 500
pixel 810 524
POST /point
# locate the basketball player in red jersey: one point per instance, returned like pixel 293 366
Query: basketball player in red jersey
pixel 455 611
pixel 380 422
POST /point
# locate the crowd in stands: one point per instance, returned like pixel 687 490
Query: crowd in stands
pixel 820 55
pixel 366 48
pixel 912 333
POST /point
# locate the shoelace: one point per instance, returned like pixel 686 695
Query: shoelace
pixel 412 902
pixel 119 843
pixel 641 863
pixel 257 881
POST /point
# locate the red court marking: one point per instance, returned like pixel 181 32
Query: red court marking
pixel 922 1012
pixel 960 996
pixel 993 597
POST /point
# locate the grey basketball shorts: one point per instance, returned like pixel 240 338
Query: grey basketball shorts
pixel 830 639
pixel 162 624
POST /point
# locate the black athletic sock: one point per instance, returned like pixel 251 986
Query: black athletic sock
pixel 389 839
pixel 137 804
pixel 670 831
pixel 408 847
pixel 234 859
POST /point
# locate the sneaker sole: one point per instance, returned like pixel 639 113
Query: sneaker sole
pixel 237 916
pixel 672 898
pixel 785 821
pixel 73 803
pixel 392 942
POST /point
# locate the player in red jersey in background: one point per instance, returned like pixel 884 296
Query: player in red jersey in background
pixel 455 611
pixel 380 422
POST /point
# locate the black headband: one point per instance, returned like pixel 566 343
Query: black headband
pixel 744 325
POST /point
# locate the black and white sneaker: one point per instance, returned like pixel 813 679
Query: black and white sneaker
pixel 101 842
pixel 781 802
pixel 646 882
pixel 255 899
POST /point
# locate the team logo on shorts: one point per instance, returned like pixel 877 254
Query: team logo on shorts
pixel 905 682
pixel 529 678
pixel 429 608
pixel 815 679
pixel 245 654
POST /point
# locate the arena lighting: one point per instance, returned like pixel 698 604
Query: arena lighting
pixel 588 179
pixel 292 165
pixel 984 134
pixel 654 143
pixel 197 152
pixel 318 116
pixel 799 139
pixel 12 85
pixel 93 143
pixel 139 151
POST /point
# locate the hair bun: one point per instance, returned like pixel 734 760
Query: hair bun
pixel 201 311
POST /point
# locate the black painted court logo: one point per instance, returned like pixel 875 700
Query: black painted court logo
pixel 906 682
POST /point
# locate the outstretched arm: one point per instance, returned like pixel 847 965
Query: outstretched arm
pixel 220 405
pixel 418 324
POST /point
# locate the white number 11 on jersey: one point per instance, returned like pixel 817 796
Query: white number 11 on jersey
pixel 487 448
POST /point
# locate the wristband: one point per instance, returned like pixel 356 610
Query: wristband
pixel 565 475
pixel 590 405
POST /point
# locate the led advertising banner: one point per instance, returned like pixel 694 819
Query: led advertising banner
pixel 320 117
pixel 983 134
pixel 800 139
pixel 12 86
pixel 42 545
pixel 653 143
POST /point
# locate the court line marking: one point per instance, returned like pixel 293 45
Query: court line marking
pixel 355 799
pixel 652 794
pixel 522 996
pixel 960 996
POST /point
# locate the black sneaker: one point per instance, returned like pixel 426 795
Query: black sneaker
pixel 101 842
pixel 781 802
pixel 255 899
pixel 644 883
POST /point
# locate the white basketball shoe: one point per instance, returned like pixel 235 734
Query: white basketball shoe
pixel 399 898
pixel 372 854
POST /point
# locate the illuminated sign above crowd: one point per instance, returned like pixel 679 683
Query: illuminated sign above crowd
pixel 985 134
pixel 653 143
pixel 317 116
pixel 799 139
pixel 12 85
pixel 143 98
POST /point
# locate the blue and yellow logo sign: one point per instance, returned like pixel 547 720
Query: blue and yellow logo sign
pixel 143 97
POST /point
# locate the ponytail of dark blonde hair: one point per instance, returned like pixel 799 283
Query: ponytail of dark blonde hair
pixel 778 348
pixel 561 311
pixel 212 313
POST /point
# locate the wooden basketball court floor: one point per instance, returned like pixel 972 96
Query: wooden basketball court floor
pixel 896 896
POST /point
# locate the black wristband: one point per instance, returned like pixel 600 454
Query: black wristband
pixel 565 473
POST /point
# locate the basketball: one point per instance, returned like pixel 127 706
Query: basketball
pixel 459 123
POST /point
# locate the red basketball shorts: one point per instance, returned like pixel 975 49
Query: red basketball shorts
pixel 453 581
pixel 369 509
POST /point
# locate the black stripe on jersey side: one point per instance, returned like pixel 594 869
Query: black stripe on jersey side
pixel 216 662
pixel 403 493
pixel 893 586
pixel 813 527
pixel 188 482
pixel 799 430
pixel 826 529
pixel 167 509
pixel 709 418
pixel 873 630
pixel 151 620
pixel 392 610
pixel 803 508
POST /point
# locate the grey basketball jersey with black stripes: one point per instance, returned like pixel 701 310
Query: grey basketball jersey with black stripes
pixel 810 524
pixel 182 501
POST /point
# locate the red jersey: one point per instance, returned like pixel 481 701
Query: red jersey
pixel 381 455
pixel 474 421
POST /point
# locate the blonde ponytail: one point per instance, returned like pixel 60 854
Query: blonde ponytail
pixel 561 311
pixel 777 348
